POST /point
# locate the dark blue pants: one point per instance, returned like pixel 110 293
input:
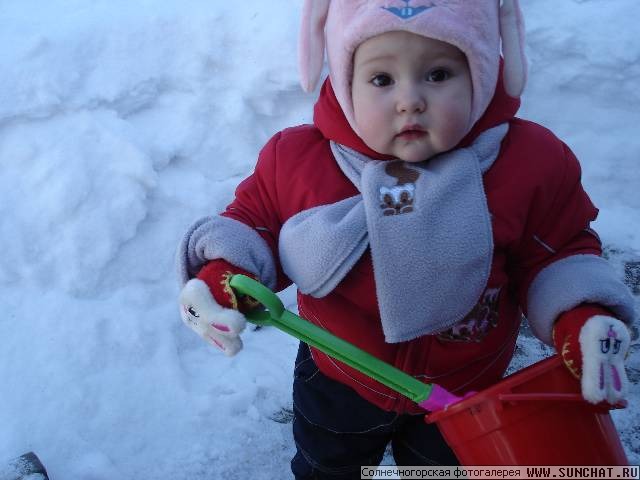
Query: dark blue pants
pixel 336 431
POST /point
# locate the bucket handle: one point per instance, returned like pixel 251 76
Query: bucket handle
pixel 554 397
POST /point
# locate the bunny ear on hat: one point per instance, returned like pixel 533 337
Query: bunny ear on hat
pixel 311 42
pixel 515 61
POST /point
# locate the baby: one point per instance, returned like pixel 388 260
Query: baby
pixel 418 218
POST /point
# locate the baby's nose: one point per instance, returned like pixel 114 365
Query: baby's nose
pixel 410 100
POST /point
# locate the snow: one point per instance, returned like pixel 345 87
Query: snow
pixel 121 123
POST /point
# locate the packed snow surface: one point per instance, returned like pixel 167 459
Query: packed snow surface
pixel 122 122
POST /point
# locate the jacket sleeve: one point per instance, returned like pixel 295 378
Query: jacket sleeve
pixel 257 204
pixel 558 265
pixel 246 234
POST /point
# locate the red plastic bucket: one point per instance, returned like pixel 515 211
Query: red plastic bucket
pixel 536 416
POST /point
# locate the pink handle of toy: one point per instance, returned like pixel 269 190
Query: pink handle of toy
pixel 441 399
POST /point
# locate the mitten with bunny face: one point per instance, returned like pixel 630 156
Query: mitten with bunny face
pixel 593 346
pixel 210 307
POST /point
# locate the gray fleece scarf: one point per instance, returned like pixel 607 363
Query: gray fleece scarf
pixel 428 227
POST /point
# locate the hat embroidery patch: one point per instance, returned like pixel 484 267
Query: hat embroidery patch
pixel 407 11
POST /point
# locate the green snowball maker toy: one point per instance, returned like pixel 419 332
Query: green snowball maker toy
pixel 431 397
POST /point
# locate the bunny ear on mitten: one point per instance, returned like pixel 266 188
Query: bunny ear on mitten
pixel 515 61
pixel 311 42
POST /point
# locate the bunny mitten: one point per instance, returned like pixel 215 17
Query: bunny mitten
pixel 210 307
pixel 594 346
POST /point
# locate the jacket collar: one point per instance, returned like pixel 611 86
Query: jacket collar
pixel 331 121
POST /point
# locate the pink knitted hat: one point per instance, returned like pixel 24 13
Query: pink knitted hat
pixel 474 26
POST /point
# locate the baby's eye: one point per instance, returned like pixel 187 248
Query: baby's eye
pixel 438 75
pixel 381 80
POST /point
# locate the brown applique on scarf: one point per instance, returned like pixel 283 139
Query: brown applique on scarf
pixel 399 198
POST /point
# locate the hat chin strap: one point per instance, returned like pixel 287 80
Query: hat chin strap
pixel 312 44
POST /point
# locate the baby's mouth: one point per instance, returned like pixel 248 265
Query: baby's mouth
pixel 412 132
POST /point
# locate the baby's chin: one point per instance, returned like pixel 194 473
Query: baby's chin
pixel 421 150
pixel 413 151
pixel 413 154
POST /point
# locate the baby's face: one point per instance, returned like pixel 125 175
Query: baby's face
pixel 411 95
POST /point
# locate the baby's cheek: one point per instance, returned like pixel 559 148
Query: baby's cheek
pixel 455 126
pixel 373 133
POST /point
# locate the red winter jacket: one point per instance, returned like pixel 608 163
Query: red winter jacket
pixel 540 214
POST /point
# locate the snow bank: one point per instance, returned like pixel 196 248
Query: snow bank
pixel 584 77
pixel 116 122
